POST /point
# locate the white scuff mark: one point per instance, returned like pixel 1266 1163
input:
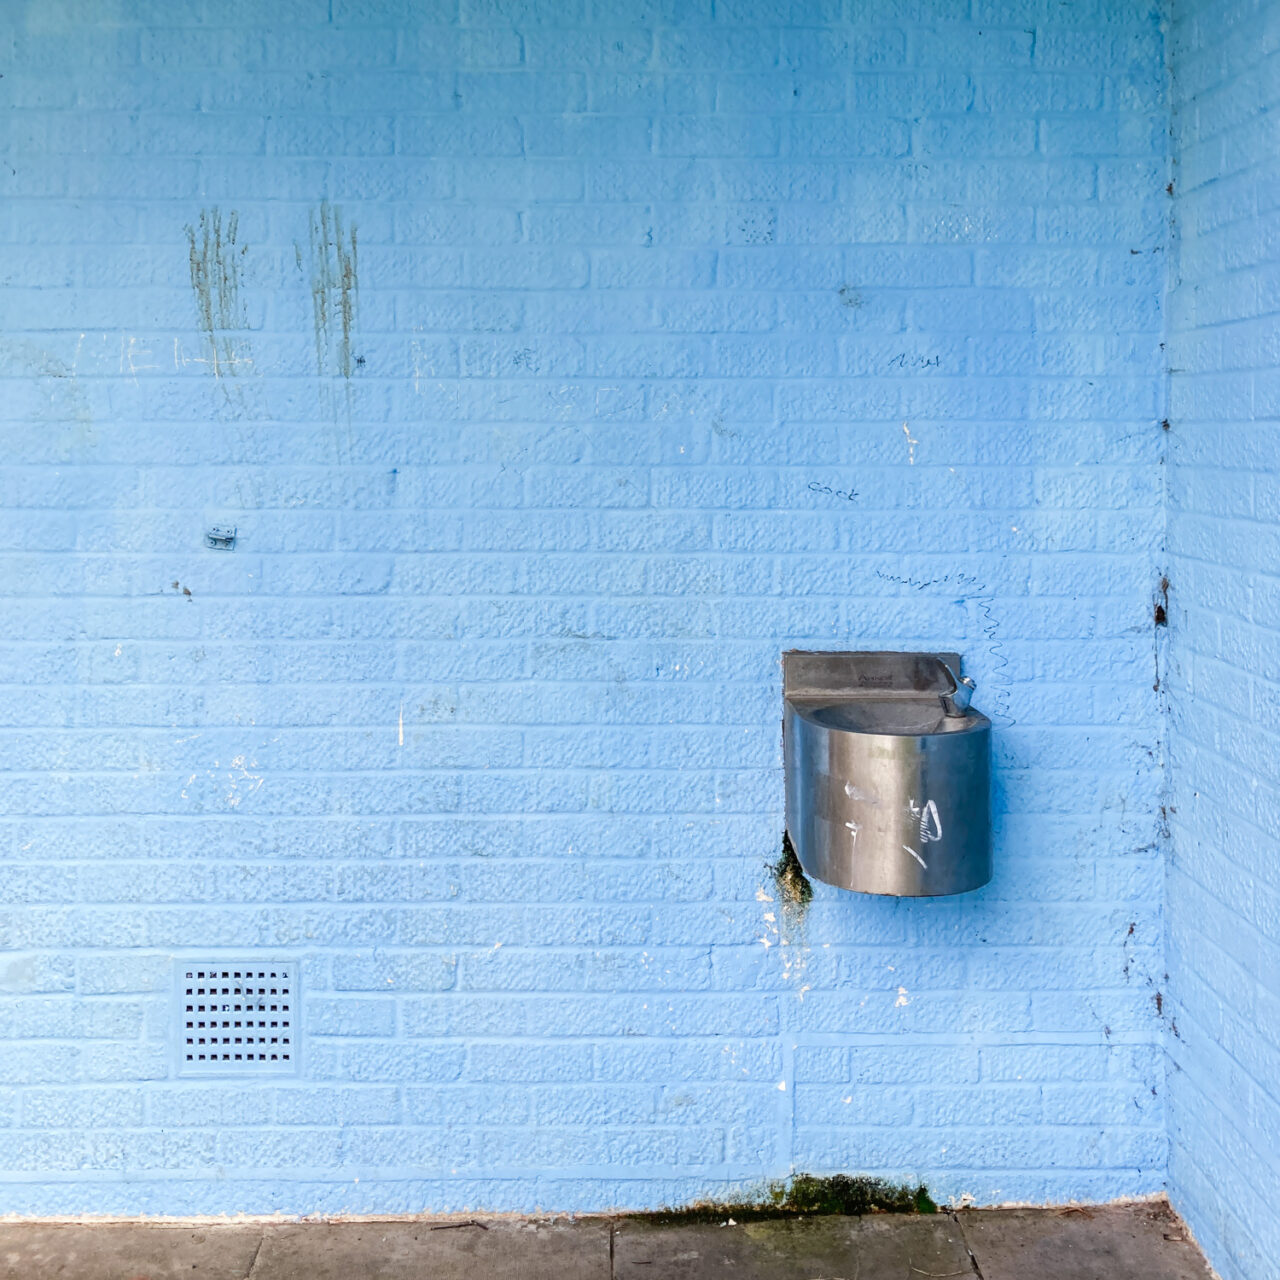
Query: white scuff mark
pixel 930 824
pixel 903 999
pixel 856 793
pixel 911 445
pixel 119 651
pixel 847 1100
pixel 782 1086
pixel 772 933
pixel 916 856
pixel 854 828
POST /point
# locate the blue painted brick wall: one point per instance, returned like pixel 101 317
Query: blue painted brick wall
pixel 559 364
pixel 1224 646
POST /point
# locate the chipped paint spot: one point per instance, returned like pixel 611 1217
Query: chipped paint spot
pixel 243 783
pixel 911 445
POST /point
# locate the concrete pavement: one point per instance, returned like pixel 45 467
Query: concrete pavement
pixel 1120 1242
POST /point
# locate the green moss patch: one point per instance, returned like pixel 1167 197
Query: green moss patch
pixel 794 890
pixel 804 1196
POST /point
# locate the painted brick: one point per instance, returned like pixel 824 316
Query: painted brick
pixel 1222 985
pixel 79 1108
pixel 536 373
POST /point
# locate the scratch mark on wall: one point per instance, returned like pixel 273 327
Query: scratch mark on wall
pixel 423 366
pixel 911 445
pixel 215 258
pixel 129 348
pixel 988 624
pixel 334 289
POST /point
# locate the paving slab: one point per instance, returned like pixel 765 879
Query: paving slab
pixel 1109 1242
pixel 126 1251
pixel 871 1248
pixel 1116 1242
pixel 492 1249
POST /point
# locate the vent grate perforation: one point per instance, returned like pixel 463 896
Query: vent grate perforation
pixel 237 1018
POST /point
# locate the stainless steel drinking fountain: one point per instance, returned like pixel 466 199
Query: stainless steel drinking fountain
pixel 888 772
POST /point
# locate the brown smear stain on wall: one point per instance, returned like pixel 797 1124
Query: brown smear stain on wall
pixel 215 259
pixel 334 286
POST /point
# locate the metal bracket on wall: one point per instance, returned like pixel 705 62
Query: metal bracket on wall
pixel 220 537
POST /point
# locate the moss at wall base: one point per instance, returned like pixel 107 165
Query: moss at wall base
pixel 805 1195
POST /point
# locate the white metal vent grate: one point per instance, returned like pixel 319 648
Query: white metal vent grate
pixel 237 1018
